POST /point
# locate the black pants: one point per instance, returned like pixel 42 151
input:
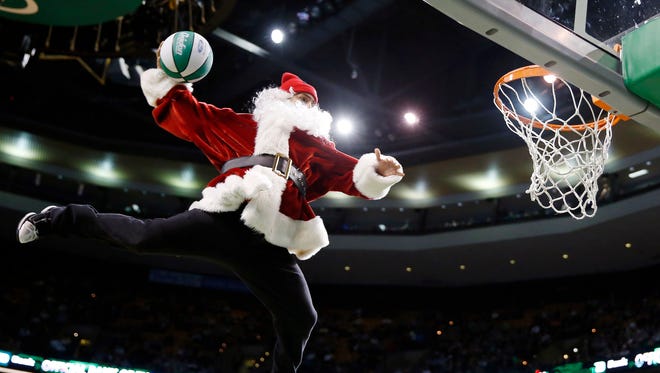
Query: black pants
pixel 269 271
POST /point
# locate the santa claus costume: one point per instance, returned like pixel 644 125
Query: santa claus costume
pixel 255 217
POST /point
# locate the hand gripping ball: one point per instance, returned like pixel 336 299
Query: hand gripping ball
pixel 186 56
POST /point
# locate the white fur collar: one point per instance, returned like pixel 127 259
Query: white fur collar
pixel 277 117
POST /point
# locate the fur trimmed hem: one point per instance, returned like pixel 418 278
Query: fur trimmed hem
pixel 155 84
pixel 262 188
pixel 367 180
pixel 301 238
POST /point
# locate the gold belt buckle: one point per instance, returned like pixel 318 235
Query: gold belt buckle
pixel 276 163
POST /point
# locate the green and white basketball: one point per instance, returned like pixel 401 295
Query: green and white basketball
pixel 186 56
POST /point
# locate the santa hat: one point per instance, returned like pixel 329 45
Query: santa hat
pixel 292 83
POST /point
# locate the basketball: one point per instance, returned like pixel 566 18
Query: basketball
pixel 186 56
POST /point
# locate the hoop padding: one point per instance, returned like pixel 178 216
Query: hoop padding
pixel 568 137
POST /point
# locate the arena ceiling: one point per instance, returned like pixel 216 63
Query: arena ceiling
pixel 370 60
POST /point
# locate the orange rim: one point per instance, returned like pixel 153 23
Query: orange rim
pixel 538 71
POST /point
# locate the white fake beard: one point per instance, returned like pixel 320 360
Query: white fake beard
pixel 273 107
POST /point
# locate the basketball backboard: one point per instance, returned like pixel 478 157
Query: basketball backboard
pixel 574 39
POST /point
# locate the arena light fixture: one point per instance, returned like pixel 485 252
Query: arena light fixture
pixel 638 173
pixel 549 78
pixel 411 118
pixel 104 171
pixel 344 126
pixel 22 146
pixel 184 180
pixel 277 36
pixel 531 105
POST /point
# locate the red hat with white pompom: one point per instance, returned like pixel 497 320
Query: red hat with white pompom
pixel 293 84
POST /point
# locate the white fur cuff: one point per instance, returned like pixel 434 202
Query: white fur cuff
pixel 155 85
pixel 367 180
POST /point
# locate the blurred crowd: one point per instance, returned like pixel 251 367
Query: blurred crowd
pixel 113 314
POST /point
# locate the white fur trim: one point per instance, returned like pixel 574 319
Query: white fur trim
pixel 228 195
pixel 278 117
pixel 155 85
pixel 262 188
pixel 367 180
pixel 302 238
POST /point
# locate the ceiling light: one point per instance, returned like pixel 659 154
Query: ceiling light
pixel 303 17
pixel 107 165
pixel 483 181
pixel 411 118
pixel 123 67
pixel 26 58
pixel 531 105
pixel 184 179
pixel 638 173
pixel 187 174
pixel 105 170
pixel 415 191
pixel 344 126
pixel 549 78
pixel 277 36
pixel 21 147
pixel 133 208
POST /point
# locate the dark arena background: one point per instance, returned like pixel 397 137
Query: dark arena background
pixel 456 270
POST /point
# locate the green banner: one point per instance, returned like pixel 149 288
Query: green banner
pixel 66 12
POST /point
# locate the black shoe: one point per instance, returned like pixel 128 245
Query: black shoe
pixel 27 228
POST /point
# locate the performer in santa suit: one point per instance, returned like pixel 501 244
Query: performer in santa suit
pixel 254 218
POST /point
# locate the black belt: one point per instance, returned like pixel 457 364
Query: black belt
pixel 280 165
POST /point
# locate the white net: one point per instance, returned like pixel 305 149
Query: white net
pixel 568 138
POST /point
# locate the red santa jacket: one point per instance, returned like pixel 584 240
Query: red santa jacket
pixel 274 206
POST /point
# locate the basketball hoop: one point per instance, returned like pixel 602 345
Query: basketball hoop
pixel 568 133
